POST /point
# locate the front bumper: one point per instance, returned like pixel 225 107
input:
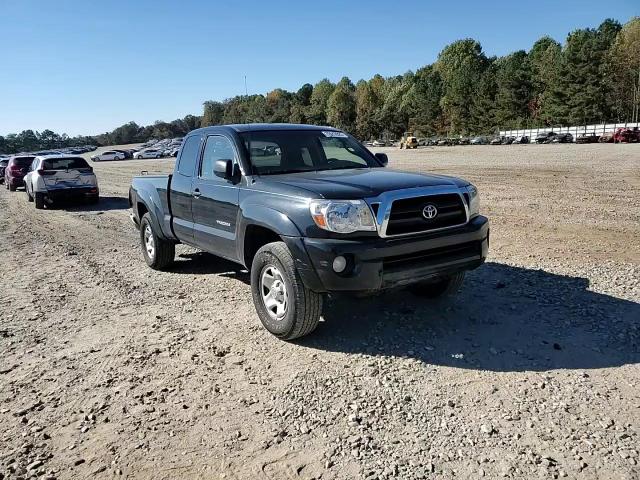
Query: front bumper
pixel 385 263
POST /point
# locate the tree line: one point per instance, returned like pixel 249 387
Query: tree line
pixel 30 141
pixel 593 77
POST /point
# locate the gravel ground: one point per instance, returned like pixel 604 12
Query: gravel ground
pixel 109 369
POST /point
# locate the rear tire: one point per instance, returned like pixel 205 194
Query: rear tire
pixel 158 252
pixel 302 308
pixel 39 197
pixel 445 287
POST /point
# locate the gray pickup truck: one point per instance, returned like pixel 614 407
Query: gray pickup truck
pixel 309 211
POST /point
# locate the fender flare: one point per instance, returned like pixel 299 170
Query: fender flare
pixel 266 217
pixel 150 198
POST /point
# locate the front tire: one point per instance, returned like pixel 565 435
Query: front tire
pixel 158 252
pixel 446 286
pixel 12 188
pixel 286 307
pixel 29 197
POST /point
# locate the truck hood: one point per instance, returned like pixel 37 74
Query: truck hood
pixel 356 183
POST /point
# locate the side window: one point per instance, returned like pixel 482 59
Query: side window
pixel 217 148
pixel 189 156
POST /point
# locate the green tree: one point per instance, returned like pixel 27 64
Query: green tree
pixel 394 115
pixel 49 139
pixel 300 104
pixel 28 141
pixel 422 102
pixel 341 106
pixel 317 111
pixel 579 96
pixel 483 106
pixel 624 59
pixel 367 105
pixel 191 122
pixel 514 90
pixel 544 58
pixel 461 65
pixel 213 113
pixel 279 106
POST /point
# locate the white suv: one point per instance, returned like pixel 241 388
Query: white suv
pixel 59 177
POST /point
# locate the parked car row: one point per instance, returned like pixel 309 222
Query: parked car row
pixel 151 149
pixel 621 135
pixel 149 152
pixel 168 147
pixel 50 178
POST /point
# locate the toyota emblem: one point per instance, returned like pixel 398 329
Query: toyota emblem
pixel 429 211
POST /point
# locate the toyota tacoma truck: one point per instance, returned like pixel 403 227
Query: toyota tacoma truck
pixel 309 211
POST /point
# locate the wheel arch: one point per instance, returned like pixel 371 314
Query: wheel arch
pixel 260 225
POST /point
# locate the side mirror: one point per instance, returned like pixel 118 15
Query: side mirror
pixel 223 169
pixel 382 158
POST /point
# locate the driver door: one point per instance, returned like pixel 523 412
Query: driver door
pixel 215 201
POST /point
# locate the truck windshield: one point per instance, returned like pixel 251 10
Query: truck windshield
pixel 290 151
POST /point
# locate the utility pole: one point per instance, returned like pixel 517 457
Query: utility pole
pixel 636 99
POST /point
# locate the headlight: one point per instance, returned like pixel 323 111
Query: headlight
pixel 342 216
pixel 474 201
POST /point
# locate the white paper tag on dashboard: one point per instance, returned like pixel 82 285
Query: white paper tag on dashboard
pixel 331 134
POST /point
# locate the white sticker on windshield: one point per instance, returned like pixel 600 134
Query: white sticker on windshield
pixel 331 134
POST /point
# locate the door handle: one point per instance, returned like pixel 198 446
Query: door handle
pixel 196 193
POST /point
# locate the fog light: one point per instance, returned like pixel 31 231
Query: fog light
pixel 339 264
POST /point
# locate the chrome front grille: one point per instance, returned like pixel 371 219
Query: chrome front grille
pixel 406 214
pixel 400 212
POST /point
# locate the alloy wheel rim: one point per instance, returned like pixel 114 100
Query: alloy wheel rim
pixel 149 242
pixel 274 292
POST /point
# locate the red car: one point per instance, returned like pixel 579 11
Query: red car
pixel 627 135
pixel 15 171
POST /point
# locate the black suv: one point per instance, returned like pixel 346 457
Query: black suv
pixel 309 211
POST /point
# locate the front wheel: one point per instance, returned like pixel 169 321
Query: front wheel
pixel 286 307
pixel 11 187
pixel 158 252
pixel 443 287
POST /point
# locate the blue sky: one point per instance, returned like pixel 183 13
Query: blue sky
pixel 85 67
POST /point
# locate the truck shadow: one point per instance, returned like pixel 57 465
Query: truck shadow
pixel 202 263
pixel 505 319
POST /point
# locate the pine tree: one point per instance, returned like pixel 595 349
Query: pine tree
pixel 341 106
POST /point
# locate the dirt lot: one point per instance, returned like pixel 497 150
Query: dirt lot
pixel 109 369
